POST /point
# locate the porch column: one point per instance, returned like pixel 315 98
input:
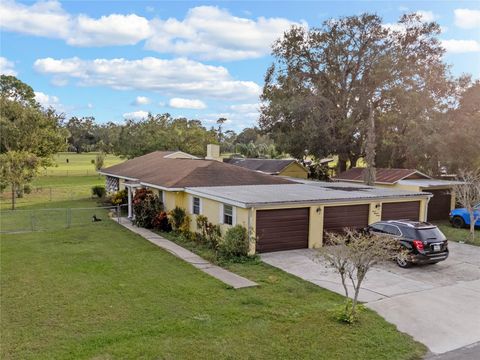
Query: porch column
pixel 129 202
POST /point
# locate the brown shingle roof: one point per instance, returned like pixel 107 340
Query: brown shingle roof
pixel 383 175
pixel 269 166
pixel 157 170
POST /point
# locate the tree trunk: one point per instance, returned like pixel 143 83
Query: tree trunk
pixel 13 196
pixel 342 163
pixel 369 175
pixel 472 225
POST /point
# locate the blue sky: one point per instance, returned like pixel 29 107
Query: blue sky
pixel 115 60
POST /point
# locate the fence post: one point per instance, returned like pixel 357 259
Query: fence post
pixel 50 194
pixel 32 220
pixel 69 217
pixel 118 214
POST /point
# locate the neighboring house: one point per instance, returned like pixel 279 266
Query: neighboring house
pixel 439 205
pixel 280 214
pixel 282 167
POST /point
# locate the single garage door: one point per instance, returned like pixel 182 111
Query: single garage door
pixel 337 218
pixel 401 210
pixel 283 229
pixel 439 205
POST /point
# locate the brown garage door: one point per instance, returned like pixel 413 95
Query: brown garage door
pixel 283 229
pixel 337 218
pixel 439 205
pixel 401 210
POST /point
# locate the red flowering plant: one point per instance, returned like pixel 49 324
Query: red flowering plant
pixel 146 206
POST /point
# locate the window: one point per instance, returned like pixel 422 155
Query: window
pixel 227 214
pixel 196 206
pixel 392 230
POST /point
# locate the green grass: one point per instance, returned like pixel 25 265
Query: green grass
pixel 98 291
pixel 457 234
pixel 78 164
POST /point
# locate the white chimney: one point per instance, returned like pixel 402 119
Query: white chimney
pixel 213 152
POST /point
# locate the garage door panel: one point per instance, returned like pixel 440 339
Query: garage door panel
pixel 439 205
pixel 282 229
pixel 337 218
pixel 401 210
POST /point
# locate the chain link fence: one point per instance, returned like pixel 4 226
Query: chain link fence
pixel 16 221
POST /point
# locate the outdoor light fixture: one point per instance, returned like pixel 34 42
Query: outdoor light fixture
pixel 319 210
pixel 377 205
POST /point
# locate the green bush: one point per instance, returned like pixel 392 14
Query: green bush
pixel 209 234
pixel 99 191
pixel 160 222
pixel 119 197
pixel 146 206
pixel 176 218
pixel 235 243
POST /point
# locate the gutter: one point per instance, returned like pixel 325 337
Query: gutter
pixel 117 176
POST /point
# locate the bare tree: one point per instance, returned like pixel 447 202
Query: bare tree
pixel 467 194
pixel 370 151
pixel 352 254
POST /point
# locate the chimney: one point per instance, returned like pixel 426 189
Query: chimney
pixel 213 152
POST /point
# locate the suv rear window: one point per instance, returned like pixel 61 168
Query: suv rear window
pixel 430 233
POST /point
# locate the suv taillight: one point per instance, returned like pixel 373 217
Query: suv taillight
pixel 418 244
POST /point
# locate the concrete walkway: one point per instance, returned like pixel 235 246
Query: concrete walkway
pixel 227 277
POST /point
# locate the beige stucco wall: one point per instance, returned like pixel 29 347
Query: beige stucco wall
pixel 295 170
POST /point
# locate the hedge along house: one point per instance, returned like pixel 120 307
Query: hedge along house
pixel 439 206
pixel 279 213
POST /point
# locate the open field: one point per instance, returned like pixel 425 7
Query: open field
pixel 78 164
pixel 99 291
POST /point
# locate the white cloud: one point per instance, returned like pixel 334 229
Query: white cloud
pixel 427 16
pixel 7 67
pixel 208 32
pixel 47 100
pixel 109 30
pixel 89 106
pixel 179 103
pixel 467 18
pixel 141 100
pixel 169 76
pixel 461 46
pixel 135 115
pixel 49 19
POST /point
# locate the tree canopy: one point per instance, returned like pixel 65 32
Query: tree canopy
pixel 325 81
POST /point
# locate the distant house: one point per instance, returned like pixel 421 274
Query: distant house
pixel 439 205
pixel 279 213
pixel 282 167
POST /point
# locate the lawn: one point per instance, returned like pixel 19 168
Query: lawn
pixel 78 164
pixel 100 291
pixel 457 234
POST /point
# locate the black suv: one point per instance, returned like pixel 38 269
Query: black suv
pixel 425 243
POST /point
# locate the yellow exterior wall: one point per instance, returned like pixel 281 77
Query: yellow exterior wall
pixel 295 170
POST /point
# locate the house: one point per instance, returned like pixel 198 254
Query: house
pixel 282 167
pixel 280 213
pixel 439 205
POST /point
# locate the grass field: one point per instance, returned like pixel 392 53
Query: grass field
pixel 101 292
pixel 78 164
pixel 457 234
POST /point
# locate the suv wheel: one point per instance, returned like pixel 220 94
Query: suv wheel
pixel 458 222
pixel 403 263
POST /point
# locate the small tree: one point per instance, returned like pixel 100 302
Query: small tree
pixel 352 254
pixel 99 161
pixel 18 168
pixel 467 194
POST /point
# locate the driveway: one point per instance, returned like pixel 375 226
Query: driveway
pixel 439 305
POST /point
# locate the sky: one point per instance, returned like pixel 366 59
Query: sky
pixel 202 60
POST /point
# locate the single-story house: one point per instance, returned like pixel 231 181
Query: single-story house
pixel 281 167
pixel 279 213
pixel 439 206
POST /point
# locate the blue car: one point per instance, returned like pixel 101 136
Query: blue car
pixel 460 218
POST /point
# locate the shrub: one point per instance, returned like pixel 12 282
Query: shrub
pixel 235 243
pixel 176 217
pixel 99 191
pixel 119 197
pixel 160 222
pixel 146 206
pixel 99 161
pixel 209 233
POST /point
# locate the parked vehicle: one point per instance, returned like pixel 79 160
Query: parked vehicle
pixel 425 243
pixel 460 218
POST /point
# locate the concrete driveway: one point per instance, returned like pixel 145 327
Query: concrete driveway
pixel 439 305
